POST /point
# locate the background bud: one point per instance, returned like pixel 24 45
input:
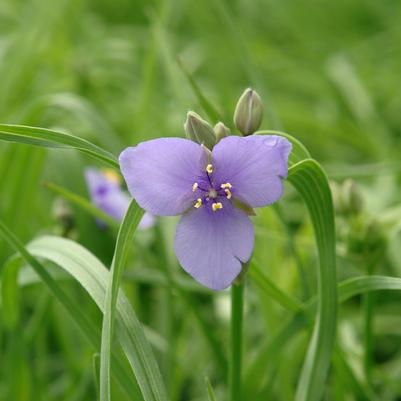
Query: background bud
pixel 199 130
pixel 352 196
pixel 221 131
pixel 248 112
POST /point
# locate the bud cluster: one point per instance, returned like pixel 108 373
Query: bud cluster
pixel 247 119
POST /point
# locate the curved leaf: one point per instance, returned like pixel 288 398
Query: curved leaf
pixel 311 182
pixel 54 139
pixel 124 239
pixel 126 381
pixel 93 276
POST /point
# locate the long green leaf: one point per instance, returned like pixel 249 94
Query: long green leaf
pixel 210 391
pixel 94 276
pixel 311 182
pixel 346 290
pixel 124 239
pixel 54 139
pixel 87 328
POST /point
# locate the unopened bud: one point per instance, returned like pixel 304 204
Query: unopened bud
pixel 352 197
pixel 199 130
pixel 221 131
pixel 249 112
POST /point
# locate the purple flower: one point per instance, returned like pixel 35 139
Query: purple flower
pixel 173 176
pixel 107 195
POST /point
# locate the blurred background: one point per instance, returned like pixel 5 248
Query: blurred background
pixel 122 71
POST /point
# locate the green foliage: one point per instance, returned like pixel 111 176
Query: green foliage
pixel 103 75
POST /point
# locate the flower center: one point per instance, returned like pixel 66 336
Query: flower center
pixel 210 194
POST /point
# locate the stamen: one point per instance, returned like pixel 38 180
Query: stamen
pixel 195 187
pixel 217 206
pixel 111 175
pixel 226 185
pixel 198 203
pixel 209 168
pixel 228 192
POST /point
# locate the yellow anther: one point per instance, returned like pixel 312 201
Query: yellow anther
pixel 209 168
pixel 195 187
pixel 111 175
pixel 226 185
pixel 228 192
pixel 217 206
pixel 198 203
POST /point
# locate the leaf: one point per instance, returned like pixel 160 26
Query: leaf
pixel 346 290
pixel 210 391
pixel 54 139
pixel 10 294
pixel 359 285
pixel 271 289
pixel 128 226
pixel 311 182
pixel 87 328
pixel 93 276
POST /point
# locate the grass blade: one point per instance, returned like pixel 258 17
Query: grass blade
pixel 311 182
pixel 54 139
pixel 87 328
pixel 127 229
pixel 210 391
pixel 94 277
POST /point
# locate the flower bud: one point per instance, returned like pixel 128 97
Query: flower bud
pixel 199 130
pixel 352 197
pixel 249 112
pixel 221 131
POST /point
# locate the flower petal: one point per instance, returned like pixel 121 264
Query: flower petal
pixel 160 174
pixel 210 246
pixel 107 195
pixel 253 165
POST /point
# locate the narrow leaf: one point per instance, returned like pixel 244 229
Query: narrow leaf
pixel 54 139
pixel 124 239
pixel 311 182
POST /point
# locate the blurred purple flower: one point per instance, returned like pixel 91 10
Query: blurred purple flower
pixel 174 176
pixel 106 194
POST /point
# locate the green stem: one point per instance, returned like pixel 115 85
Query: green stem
pixel 368 305
pixel 237 292
pixel 368 311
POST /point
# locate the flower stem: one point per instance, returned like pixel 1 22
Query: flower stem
pixel 234 381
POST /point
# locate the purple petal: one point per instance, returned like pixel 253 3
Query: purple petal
pixel 253 165
pixel 98 183
pixel 160 174
pixel 210 246
pixel 107 195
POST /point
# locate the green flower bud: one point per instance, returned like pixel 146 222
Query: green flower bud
pixel 199 130
pixel 352 196
pixel 221 131
pixel 249 112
